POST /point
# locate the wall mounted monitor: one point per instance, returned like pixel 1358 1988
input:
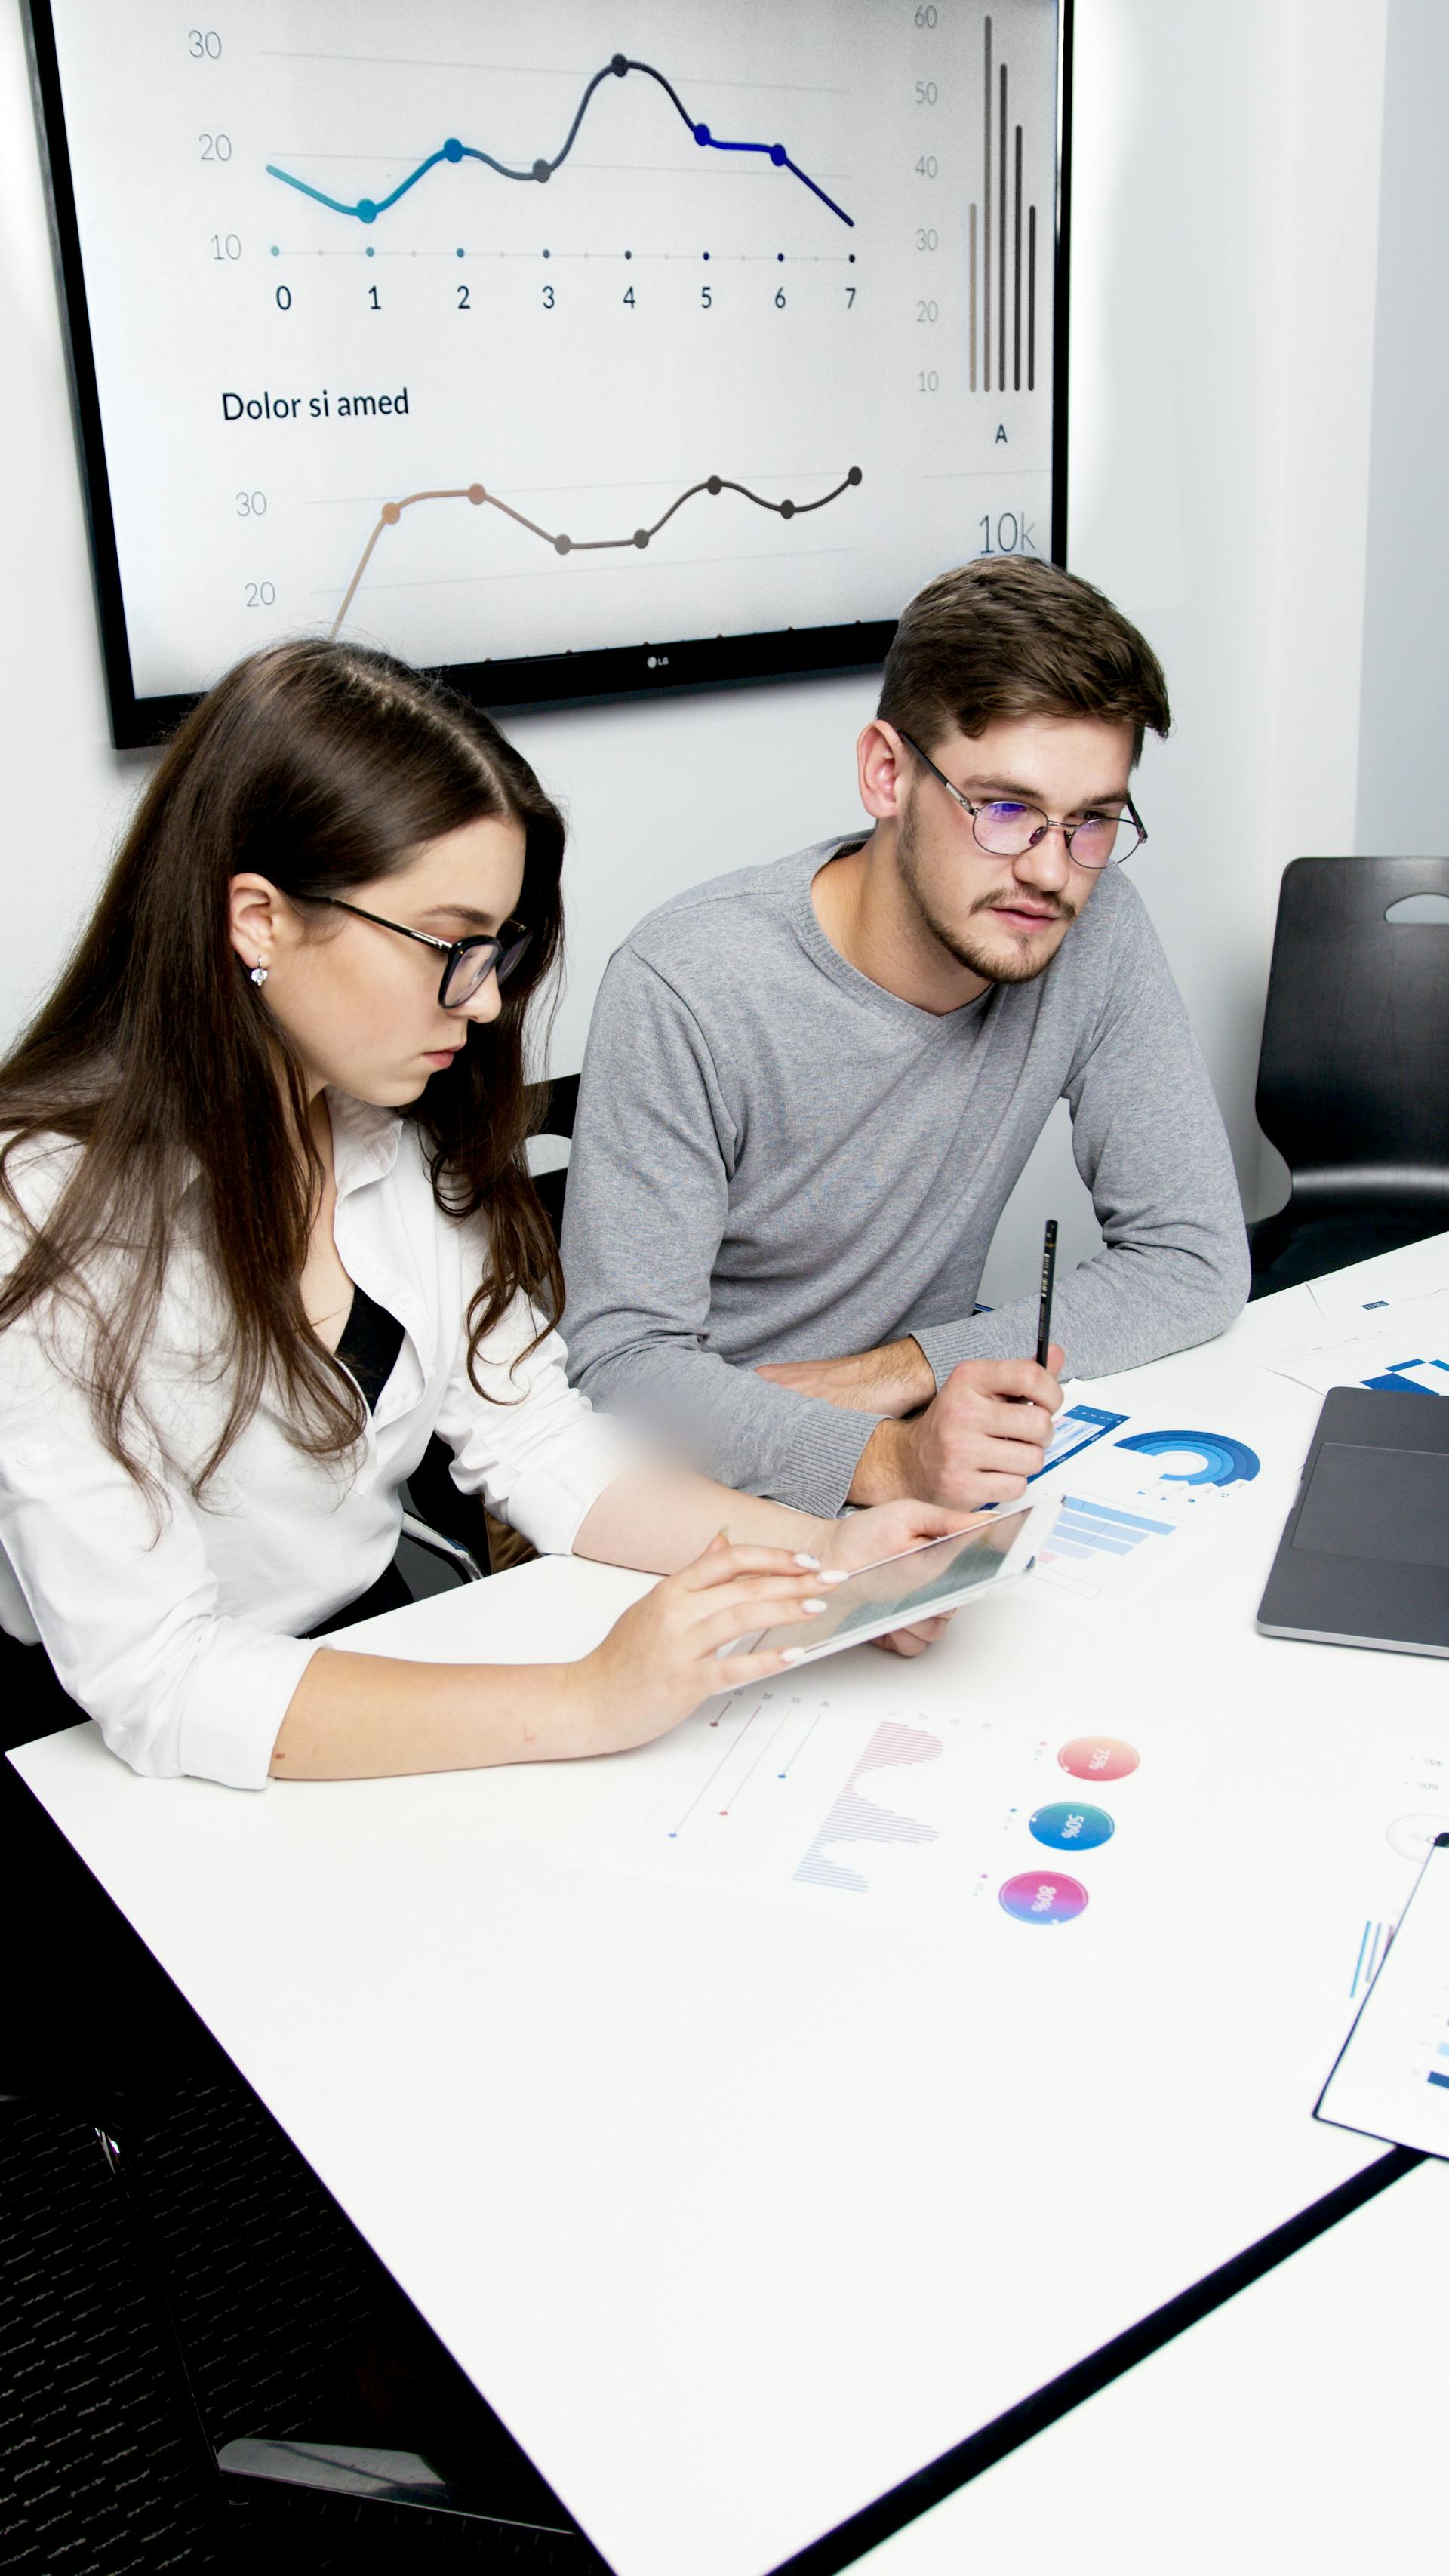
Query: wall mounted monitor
pixel 570 351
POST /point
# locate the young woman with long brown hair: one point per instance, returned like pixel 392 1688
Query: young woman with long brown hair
pixel 266 1225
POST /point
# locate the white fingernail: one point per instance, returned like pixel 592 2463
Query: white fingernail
pixel 836 1574
pixel 812 1608
pixel 792 1654
pixel 811 1563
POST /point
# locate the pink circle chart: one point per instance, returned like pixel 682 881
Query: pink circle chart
pixel 1035 1898
pixel 1098 1757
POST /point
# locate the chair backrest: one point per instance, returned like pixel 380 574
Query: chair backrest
pixel 1353 1078
pixel 552 1111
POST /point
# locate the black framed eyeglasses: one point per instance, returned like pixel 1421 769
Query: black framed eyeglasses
pixel 468 963
pixel 1009 829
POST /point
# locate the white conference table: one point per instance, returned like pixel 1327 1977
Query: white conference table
pixel 1298 2428
pixel 741 2216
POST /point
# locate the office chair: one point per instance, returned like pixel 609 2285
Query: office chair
pixel 92 2030
pixel 1353 1076
pixel 553 1108
pixel 452 1526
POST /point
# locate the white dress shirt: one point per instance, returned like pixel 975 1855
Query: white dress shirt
pixel 180 1626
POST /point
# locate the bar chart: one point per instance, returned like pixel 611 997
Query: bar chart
pixel 1003 227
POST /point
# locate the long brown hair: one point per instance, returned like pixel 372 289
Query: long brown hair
pixel 321 766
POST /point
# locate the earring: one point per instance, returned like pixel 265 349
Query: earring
pixel 259 974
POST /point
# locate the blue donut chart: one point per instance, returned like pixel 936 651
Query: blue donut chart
pixel 1224 1461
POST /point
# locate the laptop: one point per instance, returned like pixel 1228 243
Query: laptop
pixel 1364 1560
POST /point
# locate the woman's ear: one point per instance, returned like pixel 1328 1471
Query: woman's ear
pixel 255 916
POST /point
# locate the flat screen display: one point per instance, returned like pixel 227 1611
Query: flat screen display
pixel 569 351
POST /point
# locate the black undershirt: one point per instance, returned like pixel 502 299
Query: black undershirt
pixel 370 1343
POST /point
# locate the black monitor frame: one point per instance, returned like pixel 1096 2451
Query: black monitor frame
pixel 538 680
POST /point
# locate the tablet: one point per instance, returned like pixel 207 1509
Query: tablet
pixel 921 1583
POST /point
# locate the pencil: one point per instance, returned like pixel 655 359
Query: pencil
pixel 1048 1279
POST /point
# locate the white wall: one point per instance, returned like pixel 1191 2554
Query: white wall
pixel 1226 219
pixel 1403 803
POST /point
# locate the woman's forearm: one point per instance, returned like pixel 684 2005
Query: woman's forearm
pixel 657 1518
pixel 372 1717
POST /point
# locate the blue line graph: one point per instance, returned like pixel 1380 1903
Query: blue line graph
pixel 367 209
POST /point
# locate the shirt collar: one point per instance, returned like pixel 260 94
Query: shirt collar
pixel 365 1141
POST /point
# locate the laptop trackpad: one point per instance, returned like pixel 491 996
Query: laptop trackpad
pixel 1389 1505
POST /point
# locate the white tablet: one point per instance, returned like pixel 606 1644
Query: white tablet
pixel 921 1583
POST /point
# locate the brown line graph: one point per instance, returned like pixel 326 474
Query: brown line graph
pixel 481 498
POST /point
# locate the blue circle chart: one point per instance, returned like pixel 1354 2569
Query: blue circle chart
pixel 1224 1461
pixel 1065 1827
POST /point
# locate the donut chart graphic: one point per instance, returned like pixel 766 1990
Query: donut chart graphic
pixel 1221 1461
pixel 1036 1896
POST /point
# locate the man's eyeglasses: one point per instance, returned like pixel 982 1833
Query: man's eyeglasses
pixel 1008 830
pixel 468 963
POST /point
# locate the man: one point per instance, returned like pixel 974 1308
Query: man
pixel 810 1088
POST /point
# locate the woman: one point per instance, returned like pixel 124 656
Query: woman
pixel 268 1226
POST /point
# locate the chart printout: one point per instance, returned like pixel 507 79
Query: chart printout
pixel 1392 2080
pixel 482 333
pixel 1131 1506
pixel 849 1799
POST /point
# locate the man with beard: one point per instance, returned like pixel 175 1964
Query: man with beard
pixel 810 1088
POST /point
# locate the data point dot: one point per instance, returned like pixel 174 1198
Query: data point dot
pixel 476 494
pixel 276 251
pixel 369 253
pixel 850 258
pixel 701 134
pixel 779 155
pixel 704 254
pixel 641 536
pixel 390 514
pixel 628 254
pixel 452 149
pixel 366 211
pixel 457 254
pixel 542 170
pixel 618 65
pixel 787 509
pixel 714 485
pixel 545 254
pixel 562 545
pixel 854 476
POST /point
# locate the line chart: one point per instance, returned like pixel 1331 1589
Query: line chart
pixel 367 209
pixel 481 498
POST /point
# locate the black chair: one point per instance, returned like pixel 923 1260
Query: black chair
pixel 1353 1078
pixel 553 1108
pixel 91 2029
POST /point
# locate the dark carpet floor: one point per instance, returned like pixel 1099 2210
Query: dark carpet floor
pixel 291 2329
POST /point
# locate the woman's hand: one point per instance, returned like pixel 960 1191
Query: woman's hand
pixel 661 1659
pixel 862 1538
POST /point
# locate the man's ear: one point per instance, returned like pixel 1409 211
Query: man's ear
pixel 255 913
pixel 881 766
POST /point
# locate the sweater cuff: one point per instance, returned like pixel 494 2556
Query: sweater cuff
pixel 947 1345
pixel 824 1457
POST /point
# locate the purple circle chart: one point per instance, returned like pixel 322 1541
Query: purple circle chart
pixel 1034 1898
pixel 1098 1757
pixel 1065 1827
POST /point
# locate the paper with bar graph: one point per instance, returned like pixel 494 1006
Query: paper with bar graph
pixel 1119 1516
pixel 858 1803
pixel 1389 1343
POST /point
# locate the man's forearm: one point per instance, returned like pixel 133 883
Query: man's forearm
pixel 731 1425
pixel 895 1379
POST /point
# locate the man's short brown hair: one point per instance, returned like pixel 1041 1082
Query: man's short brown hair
pixel 1005 636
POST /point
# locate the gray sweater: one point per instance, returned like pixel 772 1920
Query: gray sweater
pixel 777 1160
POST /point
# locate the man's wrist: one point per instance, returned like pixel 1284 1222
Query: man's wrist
pixel 882 1470
pixel 917 1378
